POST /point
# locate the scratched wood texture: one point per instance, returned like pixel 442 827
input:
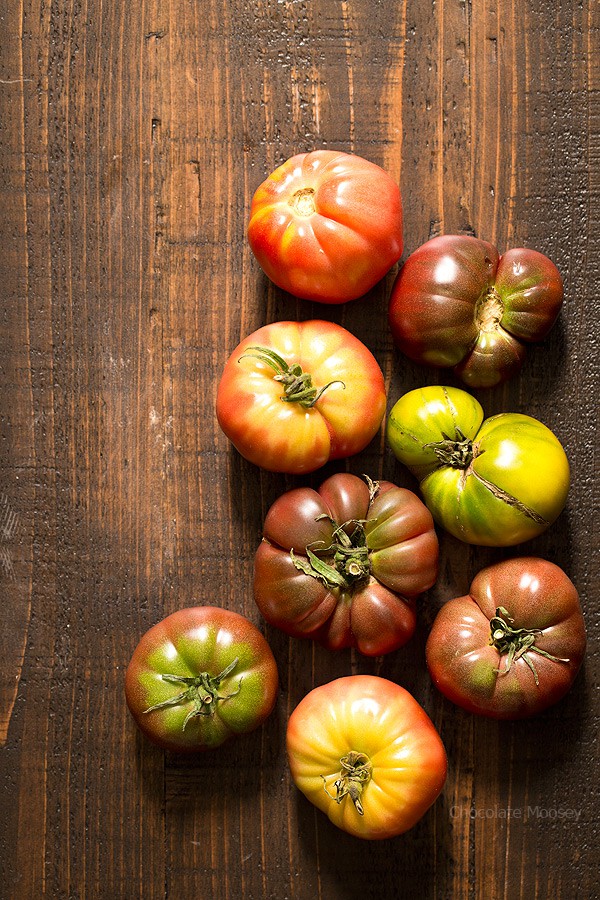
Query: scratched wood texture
pixel 132 136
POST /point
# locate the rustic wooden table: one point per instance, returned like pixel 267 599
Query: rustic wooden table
pixel 132 136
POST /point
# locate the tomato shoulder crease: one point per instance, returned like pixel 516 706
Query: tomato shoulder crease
pixel 505 497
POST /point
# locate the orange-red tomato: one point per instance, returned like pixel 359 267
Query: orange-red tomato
pixel 366 754
pixel 294 395
pixel 327 225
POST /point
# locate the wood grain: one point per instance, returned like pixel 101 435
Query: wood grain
pixel 132 137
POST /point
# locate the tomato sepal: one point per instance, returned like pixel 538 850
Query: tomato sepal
pixel 344 564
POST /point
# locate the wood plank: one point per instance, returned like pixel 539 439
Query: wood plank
pixel 132 138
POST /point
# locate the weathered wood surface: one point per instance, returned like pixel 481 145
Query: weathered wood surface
pixel 132 136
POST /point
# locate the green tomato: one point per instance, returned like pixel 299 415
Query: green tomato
pixel 496 482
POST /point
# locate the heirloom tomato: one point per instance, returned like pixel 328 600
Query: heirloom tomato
pixel 327 225
pixel 457 303
pixel 294 395
pixel 513 645
pixel 366 754
pixel 343 564
pixel 495 482
pixel 200 676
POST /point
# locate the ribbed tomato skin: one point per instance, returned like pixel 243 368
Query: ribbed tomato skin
pixel 286 437
pixel 376 717
pixel 338 241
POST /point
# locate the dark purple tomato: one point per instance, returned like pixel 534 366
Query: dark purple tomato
pixel 343 564
pixel 456 303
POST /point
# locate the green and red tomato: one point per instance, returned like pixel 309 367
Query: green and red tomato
pixel 199 677
pixel 513 645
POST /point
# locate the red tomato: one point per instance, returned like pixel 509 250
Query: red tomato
pixel 200 676
pixel 513 645
pixel 294 395
pixel 343 564
pixel 457 303
pixel 366 754
pixel 327 225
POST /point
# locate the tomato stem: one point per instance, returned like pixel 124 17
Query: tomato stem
pixel 373 487
pixel 489 310
pixel 303 202
pixel 351 781
pixel 350 563
pixel 298 385
pixel 349 548
pixel 201 690
pixel 457 452
pixel 517 643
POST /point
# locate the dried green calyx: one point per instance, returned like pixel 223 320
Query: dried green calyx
pixel 355 774
pixel 201 690
pixel 457 452
pixel 517 643
pixel 297 385
pixel 345 561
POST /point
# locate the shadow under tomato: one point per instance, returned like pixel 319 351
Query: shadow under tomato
pixel 351 867
pixel 537 748
pixel 239 763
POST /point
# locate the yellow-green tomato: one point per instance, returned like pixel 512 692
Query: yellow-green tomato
pixel 494 482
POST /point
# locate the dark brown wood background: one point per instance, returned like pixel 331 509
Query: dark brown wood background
pixel 132 136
